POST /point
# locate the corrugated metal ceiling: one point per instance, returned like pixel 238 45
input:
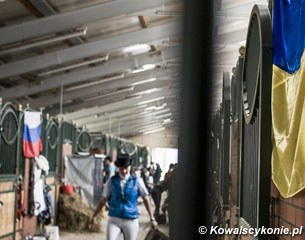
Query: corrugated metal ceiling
pixel 92 79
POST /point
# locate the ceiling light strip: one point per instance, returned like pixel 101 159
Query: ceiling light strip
pixel 76 33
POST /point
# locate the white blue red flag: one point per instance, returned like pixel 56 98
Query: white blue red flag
pixel 32 144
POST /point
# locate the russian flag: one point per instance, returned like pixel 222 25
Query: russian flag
pixel 32 144
pixel 288 96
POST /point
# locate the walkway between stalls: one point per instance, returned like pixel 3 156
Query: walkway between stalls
pixel 143 220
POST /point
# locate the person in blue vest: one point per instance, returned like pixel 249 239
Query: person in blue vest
pixel 122 191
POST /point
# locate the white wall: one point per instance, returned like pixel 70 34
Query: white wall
pixel 164 156
pixel 162 139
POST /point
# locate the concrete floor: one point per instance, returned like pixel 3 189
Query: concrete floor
pixel 143 229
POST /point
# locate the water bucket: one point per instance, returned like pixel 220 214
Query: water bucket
pixel 68 189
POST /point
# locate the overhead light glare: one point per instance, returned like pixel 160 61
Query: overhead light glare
pixel 160 107
pixel 167 121
pixel 148 91
pixel 155 107
pixel 137 48
pixel 148 66
pixel 143 81
pixel 151 100
pixel 154 130
pixel 145 67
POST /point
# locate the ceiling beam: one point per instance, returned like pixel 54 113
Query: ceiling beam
pixel 141 117
pixel 66 21
pixel 108 99
pixel 127 119
pixel 111 67
pixel 114 105
pixel 45 9
pixel 224 20
pixel 89 49
pixel 132 123
pixel 123 112
pixel 134 131
pixel 95 88
pixel 107 115
pixel 233 37
pixel 126 130
pixel 235 4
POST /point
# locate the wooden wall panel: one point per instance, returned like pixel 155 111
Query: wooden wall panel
pixel 7 213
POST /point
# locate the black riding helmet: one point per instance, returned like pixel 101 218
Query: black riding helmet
pixel 123 160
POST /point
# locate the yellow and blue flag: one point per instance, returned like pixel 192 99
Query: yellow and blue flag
pixel 288 96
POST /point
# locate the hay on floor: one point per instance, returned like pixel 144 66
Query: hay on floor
pixel 74 214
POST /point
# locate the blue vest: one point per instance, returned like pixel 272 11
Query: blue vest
pixel 124 205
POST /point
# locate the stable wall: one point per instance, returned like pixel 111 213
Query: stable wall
pixel 288 212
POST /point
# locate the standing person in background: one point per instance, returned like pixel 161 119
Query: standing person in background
pixel 122 191
pixel 169 172
pixel 155 171
pixel 145 176
pixel 109 169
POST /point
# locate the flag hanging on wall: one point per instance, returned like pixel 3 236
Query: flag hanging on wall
pixel 32 144
pixel 288 96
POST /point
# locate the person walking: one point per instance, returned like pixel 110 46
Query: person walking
pixel 122 191
pixel 155 171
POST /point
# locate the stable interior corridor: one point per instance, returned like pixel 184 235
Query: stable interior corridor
pixel 143 228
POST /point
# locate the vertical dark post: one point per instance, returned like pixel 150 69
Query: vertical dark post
pixel 225 178
pixel 190 204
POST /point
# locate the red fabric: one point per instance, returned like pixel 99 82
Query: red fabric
pixel 30 150
pixel 19 201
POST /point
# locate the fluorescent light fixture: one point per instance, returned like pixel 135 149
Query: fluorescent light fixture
pixel 167 121
pixel 155 107
pixel 151 100
pixel 110 93
pixel 154 130
pixel 164 115
pixel 148 91
pixel 143 81
pixel 137 48
pixel 160 107
pixel 168 13
pixel 150 108
pixel 145 67
pixel 103 80
pixel 155 113
pixel 143 127
pixel 76 65
pixel 82 31
pixel 148 66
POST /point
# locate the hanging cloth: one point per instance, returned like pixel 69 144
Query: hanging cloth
pixel 288 97
pixel 32 144
pixel 43 164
